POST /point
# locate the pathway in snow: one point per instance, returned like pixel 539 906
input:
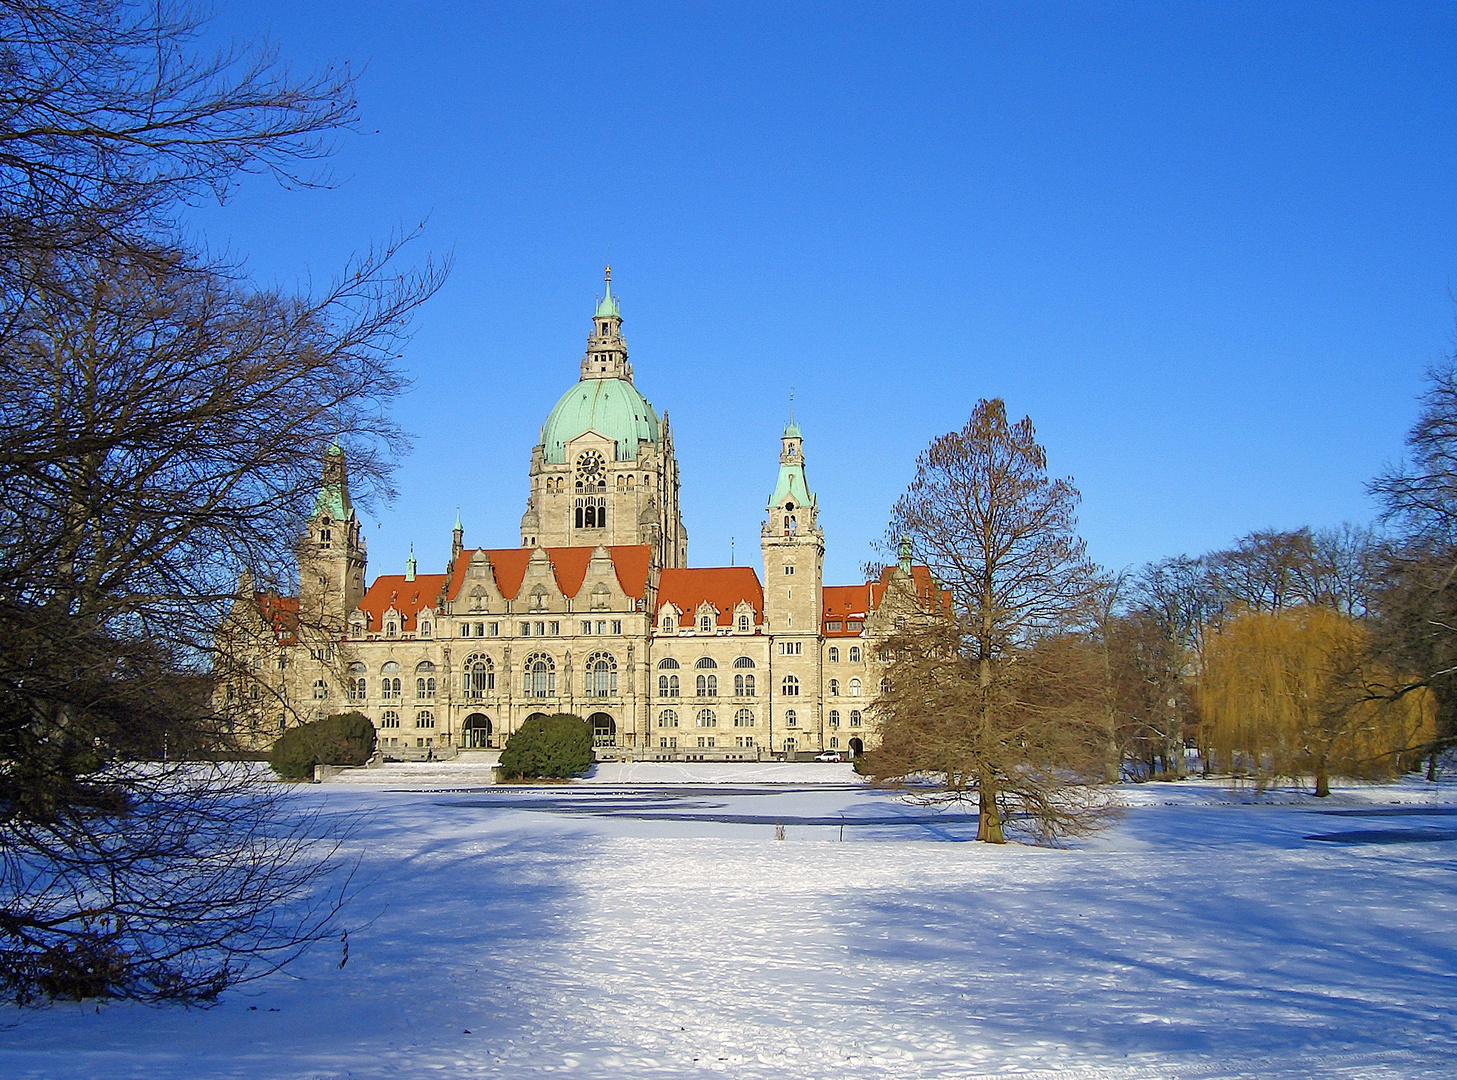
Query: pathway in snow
pixel 625 930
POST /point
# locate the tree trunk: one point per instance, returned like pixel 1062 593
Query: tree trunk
pixel 1322 778
pixel 1432 768
pixel 989 818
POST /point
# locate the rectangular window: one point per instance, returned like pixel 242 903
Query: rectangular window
pixel 465 629
pixel 833 625
pixel 586 626
pixel 854 626
pixel 495 629
pixel 539 629
pixel 702 741
pixel 526 629
pixel 601 626
pixel 479 630
pixel 710 740
pixel 617 626
pixel 556 629
pixel 789 570
pixel 790 648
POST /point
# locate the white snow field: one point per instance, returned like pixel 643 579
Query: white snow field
pixel 649 924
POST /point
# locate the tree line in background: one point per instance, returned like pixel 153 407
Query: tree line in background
pixel 1300 654
pixel 162 422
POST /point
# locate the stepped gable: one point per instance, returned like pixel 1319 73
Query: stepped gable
pixel 725 587
pixel 405 596
pixel 569 565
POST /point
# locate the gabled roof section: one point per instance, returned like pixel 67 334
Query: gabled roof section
pixel 281 613
pixel 844 602
pixel 568 565
pixel 722 586
pixel 407 597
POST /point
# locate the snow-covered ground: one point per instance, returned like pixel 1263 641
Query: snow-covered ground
pixel 644 925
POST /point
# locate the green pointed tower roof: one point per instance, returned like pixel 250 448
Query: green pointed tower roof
pixel 607 307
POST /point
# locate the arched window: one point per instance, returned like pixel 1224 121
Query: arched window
pixel 355 685
pixel 743 624
pixel 424 681
pixel 478 676
pixel 706 662
pixel 855 718
pixel 540 675
pixel 834 743
pixel 389 719
pixel 791 718
pixel 790 687
pixel 885 686
pixel 389 685
pixel 834 655
pixel 321 690
pixel 705 624
pixel 854 654
pixel 668 686
pixel 854 687
pixel 743 662
pixel 667 718
pixel 601 675
pixel 900 622
pixel 834 718
pixel 707 718
pixel 424 719
pixel 744 718
pixel 667 664
pixel 834 687
pixel 707 686
pixel 670 624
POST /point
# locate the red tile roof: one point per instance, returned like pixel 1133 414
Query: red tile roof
pixel 722 586
pixel 568 564
pixel 406 597
pixel 844 602
pixel 280 612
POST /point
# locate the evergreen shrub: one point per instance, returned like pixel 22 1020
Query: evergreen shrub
pixel 341 739
pixel 548 748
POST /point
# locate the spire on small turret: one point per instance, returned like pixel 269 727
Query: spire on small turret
pixel 905 553
pixel 457 535
pixel 410 565
pixel 607 307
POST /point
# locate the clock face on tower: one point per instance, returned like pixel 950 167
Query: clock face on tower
pixel 590 471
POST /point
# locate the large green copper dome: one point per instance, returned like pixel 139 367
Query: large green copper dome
pixel 611 407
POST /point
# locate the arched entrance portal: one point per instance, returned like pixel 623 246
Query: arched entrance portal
pixel 604 729
pixel 477 731
pixel 856 747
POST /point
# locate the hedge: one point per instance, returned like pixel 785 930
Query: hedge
pixel 548 747
pixel 342 739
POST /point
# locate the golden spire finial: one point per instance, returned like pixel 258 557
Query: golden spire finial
pixel 609 275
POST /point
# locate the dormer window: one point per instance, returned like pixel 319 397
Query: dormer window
pixel 705 624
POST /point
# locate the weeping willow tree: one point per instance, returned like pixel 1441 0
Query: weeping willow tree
pixel 1292 693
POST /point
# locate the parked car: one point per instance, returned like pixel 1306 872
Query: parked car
pixel 828 755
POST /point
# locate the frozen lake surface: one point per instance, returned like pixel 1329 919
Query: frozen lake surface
pixel 648 923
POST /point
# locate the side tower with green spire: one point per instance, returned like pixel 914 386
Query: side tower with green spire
pixel 793 545
pixel 332 559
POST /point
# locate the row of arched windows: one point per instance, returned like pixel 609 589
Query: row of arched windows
pixel 834 654
pixel 391 719
pixel 854 688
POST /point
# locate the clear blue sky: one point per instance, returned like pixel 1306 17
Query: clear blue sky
pixel 1209 250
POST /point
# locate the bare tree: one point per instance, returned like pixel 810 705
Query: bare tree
pixel 996 696
pixel 162 423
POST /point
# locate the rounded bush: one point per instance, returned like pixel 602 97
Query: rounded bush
pixel 548 748
pixel 342 739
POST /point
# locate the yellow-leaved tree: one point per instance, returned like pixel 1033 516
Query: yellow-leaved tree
pixel 1293 693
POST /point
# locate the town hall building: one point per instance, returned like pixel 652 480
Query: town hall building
pixel 596 613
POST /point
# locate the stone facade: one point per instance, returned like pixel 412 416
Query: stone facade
pixel 597 613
